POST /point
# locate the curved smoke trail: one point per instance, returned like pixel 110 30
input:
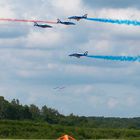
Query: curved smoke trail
pixel 116 58
pixel 116 21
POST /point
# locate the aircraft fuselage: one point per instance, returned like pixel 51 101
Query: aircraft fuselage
pixel 78 55
pixel 42 25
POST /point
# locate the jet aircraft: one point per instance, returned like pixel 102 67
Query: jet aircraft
pixel 42 25
pixel 59 88
pixel 65 22
pixel 78 18
pixel 78 55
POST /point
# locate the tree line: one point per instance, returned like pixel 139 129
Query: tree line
pixel 13 110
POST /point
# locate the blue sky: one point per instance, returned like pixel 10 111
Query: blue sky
pixel 33 61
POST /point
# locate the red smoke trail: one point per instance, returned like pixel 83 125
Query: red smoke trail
pixel 24 20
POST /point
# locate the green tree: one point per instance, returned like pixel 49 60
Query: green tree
pixel 50 115
pixel 34 110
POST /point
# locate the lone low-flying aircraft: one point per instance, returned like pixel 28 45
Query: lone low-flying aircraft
pixel 42 25
pixel 65 22
pixel 78 55
pixel 59 88
pixel 78 18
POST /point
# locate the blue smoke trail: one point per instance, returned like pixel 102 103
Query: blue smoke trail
pixel 116 21
pixel 116 58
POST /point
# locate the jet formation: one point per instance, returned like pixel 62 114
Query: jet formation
pixel 78 55
pixel 78 18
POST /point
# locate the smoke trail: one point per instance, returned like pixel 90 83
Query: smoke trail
pixel 116 21
pixel 24 20
pixel 116 58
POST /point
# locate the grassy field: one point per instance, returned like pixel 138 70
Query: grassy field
pixel 36 130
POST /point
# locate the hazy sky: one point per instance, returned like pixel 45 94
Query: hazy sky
pixel 34 61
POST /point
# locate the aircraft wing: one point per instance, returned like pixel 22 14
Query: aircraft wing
pixel 78 56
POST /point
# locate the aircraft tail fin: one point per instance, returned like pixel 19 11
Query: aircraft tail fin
pixel 35 24
pixel 86 53
pixel 85 16
pixel 58 21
